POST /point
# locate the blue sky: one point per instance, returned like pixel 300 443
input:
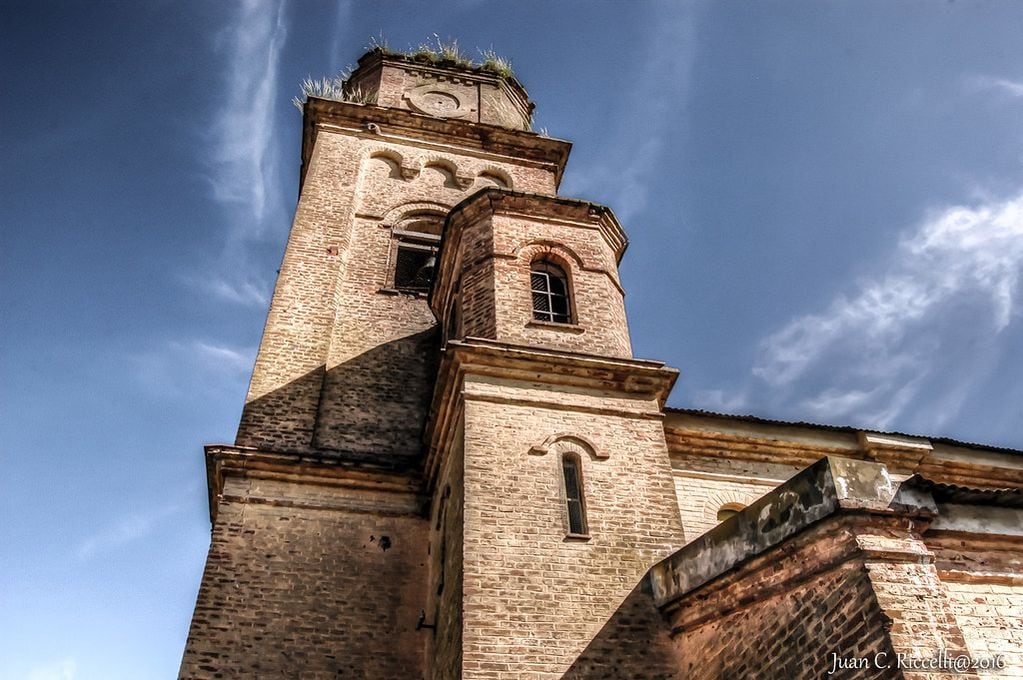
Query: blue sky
pixel 825 202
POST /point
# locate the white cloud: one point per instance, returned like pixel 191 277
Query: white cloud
pixel 1003 85
pixel 65 669
pixel 227 358
pixel 186 368
pixel 125 530
pixel 721 401
pixel 245 292
pixel 948 288
pixel 245 151
pixel 623 174
pixel 243 157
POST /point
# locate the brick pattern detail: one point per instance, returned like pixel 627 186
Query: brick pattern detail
pixel 447 554
pixel 990 615
pixel 699 498
pixel 784 613
pixel 344 365
pixel 533 599
pixel 309 592
pixel 496 253
pixel 915 599
pixel 982 581
pixel 467 95
pixel 633 645
pixel 792 636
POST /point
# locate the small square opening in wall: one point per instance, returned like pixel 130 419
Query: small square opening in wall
pixel 414 267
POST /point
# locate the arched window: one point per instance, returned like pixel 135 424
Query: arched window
pixel 550 292
pixel 572 468
pixel 729 510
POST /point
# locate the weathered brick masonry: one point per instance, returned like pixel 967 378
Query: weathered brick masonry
pixel 450 465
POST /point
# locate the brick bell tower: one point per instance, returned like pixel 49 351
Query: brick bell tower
pixel 448 464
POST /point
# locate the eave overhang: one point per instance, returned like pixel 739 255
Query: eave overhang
pixel 224 460
pixel 638 380
pixel 398 125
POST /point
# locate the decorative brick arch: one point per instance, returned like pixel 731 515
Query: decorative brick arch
pixel 719 499
pixel 558 253
pixel 565 442
pixel 405 169
pixel 495 175
pixel 395 214
pixel 450 170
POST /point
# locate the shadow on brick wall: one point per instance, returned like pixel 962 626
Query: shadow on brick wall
pixel 633 645
pixel 372 407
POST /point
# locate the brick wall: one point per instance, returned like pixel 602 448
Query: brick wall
pixel 447 551
pixel 701 496
pixel 346 364
pixel 497 238
pixel 469 94
pixel 633 645
pixel 327 586
pixel 534 598
pixel 989 613
pixel 981 578
pixel 784 613
pixel 791 635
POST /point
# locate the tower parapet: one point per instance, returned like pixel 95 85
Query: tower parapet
pixel 442 88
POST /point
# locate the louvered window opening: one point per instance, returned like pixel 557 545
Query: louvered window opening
pixel 413 267
pixel 550 293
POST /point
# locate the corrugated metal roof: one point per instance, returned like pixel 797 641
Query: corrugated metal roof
pixel 954 493
pixel 840 428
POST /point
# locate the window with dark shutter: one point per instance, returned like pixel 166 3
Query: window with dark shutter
pixel 414 253
pixel 550 293
pixel 574 495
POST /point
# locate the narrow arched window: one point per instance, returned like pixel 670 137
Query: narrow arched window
pixel 550 293
pixel 576 504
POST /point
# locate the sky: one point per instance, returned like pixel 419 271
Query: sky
pixel 824 200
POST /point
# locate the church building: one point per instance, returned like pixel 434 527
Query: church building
pixel 451 465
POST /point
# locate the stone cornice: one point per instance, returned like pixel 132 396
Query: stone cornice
pixel 635 379
pixel 382 122
pixel 692 436
pixel 833 486
pixel 223 461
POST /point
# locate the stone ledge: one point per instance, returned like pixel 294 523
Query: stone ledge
pixel 285 473
pixel 830 486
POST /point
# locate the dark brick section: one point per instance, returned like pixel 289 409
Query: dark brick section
pixel 633 645
pixel 320 593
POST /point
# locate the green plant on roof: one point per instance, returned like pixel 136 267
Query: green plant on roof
pixel 437 51
pixel 440 51
pixel 496 64
pixel 336 89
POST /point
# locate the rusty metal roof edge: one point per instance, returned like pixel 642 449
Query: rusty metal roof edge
pixel 840 428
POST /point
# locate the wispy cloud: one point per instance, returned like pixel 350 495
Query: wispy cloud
pixel 65 669
pixel 226 358
pixel 125 530
pixel 191 367
pixel 949 285
pixel 243 291
pixel 243 164
pixel 243 161
pixel 1002 85
pixel 659 96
